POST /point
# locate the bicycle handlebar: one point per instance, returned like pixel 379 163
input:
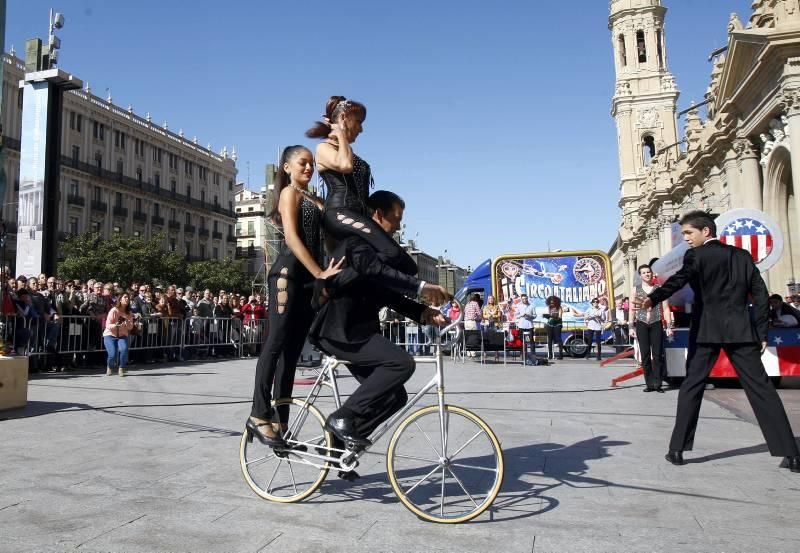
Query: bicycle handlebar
pixel 453 325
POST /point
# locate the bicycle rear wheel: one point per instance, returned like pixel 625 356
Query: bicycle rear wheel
pixel 451 478
pixel 288 476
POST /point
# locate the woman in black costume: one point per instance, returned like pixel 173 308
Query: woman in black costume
pixel 298 212
pixel 348 178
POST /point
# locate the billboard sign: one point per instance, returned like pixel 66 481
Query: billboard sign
pixel 30 236
pixel 573 277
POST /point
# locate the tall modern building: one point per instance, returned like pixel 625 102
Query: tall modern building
pixel 737 151
pixel 123 173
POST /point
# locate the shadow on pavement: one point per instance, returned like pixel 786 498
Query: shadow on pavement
pixel 527 492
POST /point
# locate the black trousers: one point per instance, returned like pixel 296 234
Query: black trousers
pixel 554 337
pixel 287 333
pixel 381 369
pixel 592 336
pixel 651 344
pixel 386 249
pixel 766 404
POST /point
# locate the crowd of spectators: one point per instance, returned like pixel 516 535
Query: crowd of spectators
pixel 47 315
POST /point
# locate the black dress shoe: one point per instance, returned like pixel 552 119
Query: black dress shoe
pixel 660 390
pixel 252 430
pixel 647 389
pixel 675 457
pixel 345 431
pixel 791 463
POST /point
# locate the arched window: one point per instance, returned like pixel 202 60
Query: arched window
pixel 623 55
pixel 641 48
pixel 648 149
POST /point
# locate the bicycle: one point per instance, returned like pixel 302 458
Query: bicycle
pixel 468 453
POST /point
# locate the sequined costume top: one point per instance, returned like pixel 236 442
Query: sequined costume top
pixel 309 220
pixel 647 316
pixel 349 190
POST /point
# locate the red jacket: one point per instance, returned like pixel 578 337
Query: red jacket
pixel 253 311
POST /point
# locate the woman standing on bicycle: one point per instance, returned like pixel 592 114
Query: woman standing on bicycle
pixel 297 211
pixel 349 178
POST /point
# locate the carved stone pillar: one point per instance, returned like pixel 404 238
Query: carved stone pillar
pixel 748 190
pixel 731 168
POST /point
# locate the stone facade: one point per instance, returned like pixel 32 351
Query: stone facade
pixel 740 154
pixel 123 173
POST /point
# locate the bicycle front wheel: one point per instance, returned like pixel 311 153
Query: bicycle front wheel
pixel 445 468
pixel 288 475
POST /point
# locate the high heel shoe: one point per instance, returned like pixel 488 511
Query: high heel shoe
pixel 253 430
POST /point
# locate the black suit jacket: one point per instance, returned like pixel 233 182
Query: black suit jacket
pixel 724 280
pixel 352 316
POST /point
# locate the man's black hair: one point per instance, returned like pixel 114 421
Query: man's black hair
pixel 699 220
pixel 645 266
pixel 384 200
pixel 776 297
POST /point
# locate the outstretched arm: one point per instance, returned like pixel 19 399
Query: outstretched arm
pixel 676 281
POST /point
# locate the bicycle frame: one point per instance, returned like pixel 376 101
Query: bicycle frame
pixel 327 377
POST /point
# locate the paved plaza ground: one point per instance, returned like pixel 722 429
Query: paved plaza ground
pixel 149 462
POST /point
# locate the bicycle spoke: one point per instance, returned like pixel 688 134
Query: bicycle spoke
pixel 411 489
pixel 413 458
pixel 264 458
pixel 294 484
pixel 441 503
pixel 274 472
pixel 460 465
pixel 472 439
pixel 427 438
pixel 457 479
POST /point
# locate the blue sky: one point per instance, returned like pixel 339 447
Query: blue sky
pixel 490 119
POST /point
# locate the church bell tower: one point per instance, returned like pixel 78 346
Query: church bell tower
pixel 645 96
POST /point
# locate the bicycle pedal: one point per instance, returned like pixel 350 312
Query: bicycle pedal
pixel 348 475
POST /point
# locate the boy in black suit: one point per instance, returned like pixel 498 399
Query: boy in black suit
pixel 724 280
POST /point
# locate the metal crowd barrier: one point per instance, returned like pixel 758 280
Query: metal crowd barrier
pixel 83 335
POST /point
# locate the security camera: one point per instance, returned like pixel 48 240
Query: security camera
pixel 58 21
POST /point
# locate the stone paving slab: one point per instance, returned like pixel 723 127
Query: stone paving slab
pixel 149 462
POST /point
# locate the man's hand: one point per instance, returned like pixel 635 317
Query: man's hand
pixel 433 317
pixel 435 294
pixel 647 303
pixel 763 347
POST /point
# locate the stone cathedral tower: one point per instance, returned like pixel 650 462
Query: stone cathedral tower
pixel 643 106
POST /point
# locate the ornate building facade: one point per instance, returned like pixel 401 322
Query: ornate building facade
pixel 123 173
pixel 740 153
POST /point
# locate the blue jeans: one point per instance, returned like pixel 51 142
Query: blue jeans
pixel 114 345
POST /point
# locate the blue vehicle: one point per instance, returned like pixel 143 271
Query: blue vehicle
pixel 574 277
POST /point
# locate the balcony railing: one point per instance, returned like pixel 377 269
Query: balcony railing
pixel 99 206
pixel 120 211
pixel 188 228
pixel 133 184
pixel 156 220
pixel 246 233
pixel 203 232
pixel 139 216
pixel 75 200
pixel 216 235
pixel 174 225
